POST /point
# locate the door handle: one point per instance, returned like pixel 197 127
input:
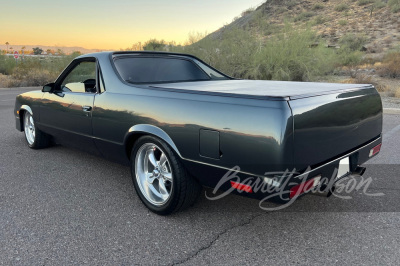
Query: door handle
pixel 87 108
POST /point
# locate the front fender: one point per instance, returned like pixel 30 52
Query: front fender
pixel 152 130
pixel 17 113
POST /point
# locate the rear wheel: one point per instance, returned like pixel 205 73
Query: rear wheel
pixel 159 177
pixel 36 139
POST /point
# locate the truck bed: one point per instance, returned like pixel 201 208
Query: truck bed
pixel 263 89
pixel 328 119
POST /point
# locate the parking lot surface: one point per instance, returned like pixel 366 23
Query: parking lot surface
pixel 60 206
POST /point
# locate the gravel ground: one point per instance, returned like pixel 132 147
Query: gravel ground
pixel 391 102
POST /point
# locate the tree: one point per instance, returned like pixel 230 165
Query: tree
pixel 37 51
pixel 136 47
pixel 60 52
pixel 7 43
pixel 154 45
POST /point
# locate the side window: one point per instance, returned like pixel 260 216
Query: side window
pixel 81 79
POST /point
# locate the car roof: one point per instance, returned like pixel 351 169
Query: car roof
pixel 121 53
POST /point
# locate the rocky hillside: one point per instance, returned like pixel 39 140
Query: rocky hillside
pixel 375 20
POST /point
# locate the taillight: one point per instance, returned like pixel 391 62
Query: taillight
pixel 242 187
pixel 375 150
pixel 304 187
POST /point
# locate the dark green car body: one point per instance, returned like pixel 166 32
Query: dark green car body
pixel 264 127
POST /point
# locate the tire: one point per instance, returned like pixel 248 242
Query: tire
pixel 35 138
pixel 159 177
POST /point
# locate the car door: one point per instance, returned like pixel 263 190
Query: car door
pixel 66 112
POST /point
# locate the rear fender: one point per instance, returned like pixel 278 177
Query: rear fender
pixel 144 129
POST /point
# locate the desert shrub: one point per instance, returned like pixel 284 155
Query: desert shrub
pixel 23 76
pixel 280 10
pixel 390 66
pixel 304 16
pixel 341 7
pixel 346 57
pixel 233 53
pixel 7 64
pixel 379 4
pixel 32 71
pixel 319 20
pixel 289 57
pixel 365 2
pixel 394 5
pixel 342 22
pixel 291 3
pixel 349 53
pixel 366 79
pixel 397 93
pixel 4 81
pixel 354 42
pixel 154 45
pixel 317 6
pixel 247 11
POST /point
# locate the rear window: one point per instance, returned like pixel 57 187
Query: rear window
pixel 158 70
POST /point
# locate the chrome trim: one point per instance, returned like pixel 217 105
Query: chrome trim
pixel 339 158
pixel 273 181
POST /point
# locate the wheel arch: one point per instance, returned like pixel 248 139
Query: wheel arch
pixel 22 110
pixel 137 131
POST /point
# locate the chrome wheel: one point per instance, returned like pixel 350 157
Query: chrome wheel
pixel 29 128
pixel 153 174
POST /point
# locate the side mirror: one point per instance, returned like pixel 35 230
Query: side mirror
pixel 48 87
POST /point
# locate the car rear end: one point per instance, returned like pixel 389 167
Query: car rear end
pixel 334 134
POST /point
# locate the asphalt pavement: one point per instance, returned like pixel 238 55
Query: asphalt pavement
pixel 60 206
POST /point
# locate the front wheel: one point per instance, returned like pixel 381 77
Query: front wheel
pixel 36 139
pixel 159 177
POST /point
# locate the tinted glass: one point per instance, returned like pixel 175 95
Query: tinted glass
pixel 158 69
pixel 81 79
pixel 210 72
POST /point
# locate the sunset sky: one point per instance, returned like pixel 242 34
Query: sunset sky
pixel 114 24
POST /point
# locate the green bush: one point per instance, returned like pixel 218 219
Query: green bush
pixel 304 16
pixel 394 5
pixel 290 57
pixel 379 4
pixel 317 6
pixel 33 71
pixel 319 20
pixel 7 64
pixel 342 22
pixel 365 2
pixel 391 65
pixel 347 57
pixel 353 42
pixel 341 7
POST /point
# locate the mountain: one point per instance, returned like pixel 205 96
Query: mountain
pixel 65 49
pixel 375 20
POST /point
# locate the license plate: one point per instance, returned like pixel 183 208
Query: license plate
pixel 344 167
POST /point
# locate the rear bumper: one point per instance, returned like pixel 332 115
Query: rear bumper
pixel 277 189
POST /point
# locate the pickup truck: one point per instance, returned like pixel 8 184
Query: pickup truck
pixel 181 124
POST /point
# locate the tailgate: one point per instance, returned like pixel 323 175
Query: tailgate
pixel 330 125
